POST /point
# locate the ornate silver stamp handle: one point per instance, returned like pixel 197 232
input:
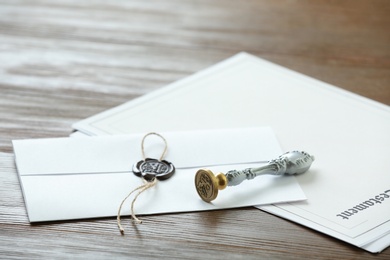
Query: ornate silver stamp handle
pixel 290 163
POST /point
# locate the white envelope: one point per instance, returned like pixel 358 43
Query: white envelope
pixel 75 178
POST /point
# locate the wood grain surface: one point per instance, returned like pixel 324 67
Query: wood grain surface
pixel 62 61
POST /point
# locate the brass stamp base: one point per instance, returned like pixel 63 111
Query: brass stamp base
pixel 207 184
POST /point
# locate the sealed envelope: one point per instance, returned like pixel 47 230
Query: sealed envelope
pixel 77 178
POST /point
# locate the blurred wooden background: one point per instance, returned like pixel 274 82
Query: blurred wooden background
pixel 62 61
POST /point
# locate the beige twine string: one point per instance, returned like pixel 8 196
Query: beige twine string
pixel 165 142
pixel 142 188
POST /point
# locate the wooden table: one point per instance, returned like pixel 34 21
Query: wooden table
pixel 62 61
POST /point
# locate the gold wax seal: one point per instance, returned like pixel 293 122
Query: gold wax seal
pixel 207 184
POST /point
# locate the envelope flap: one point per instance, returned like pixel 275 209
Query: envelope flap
pixel 107 154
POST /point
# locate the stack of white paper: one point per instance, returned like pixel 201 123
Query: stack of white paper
pixel 348 188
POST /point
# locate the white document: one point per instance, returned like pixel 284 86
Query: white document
pixel 348 134
pixel 75 178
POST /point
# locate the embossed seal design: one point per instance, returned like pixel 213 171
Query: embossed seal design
pixel 153 168
pixel 205 186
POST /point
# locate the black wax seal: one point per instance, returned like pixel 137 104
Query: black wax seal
pixel 153 168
